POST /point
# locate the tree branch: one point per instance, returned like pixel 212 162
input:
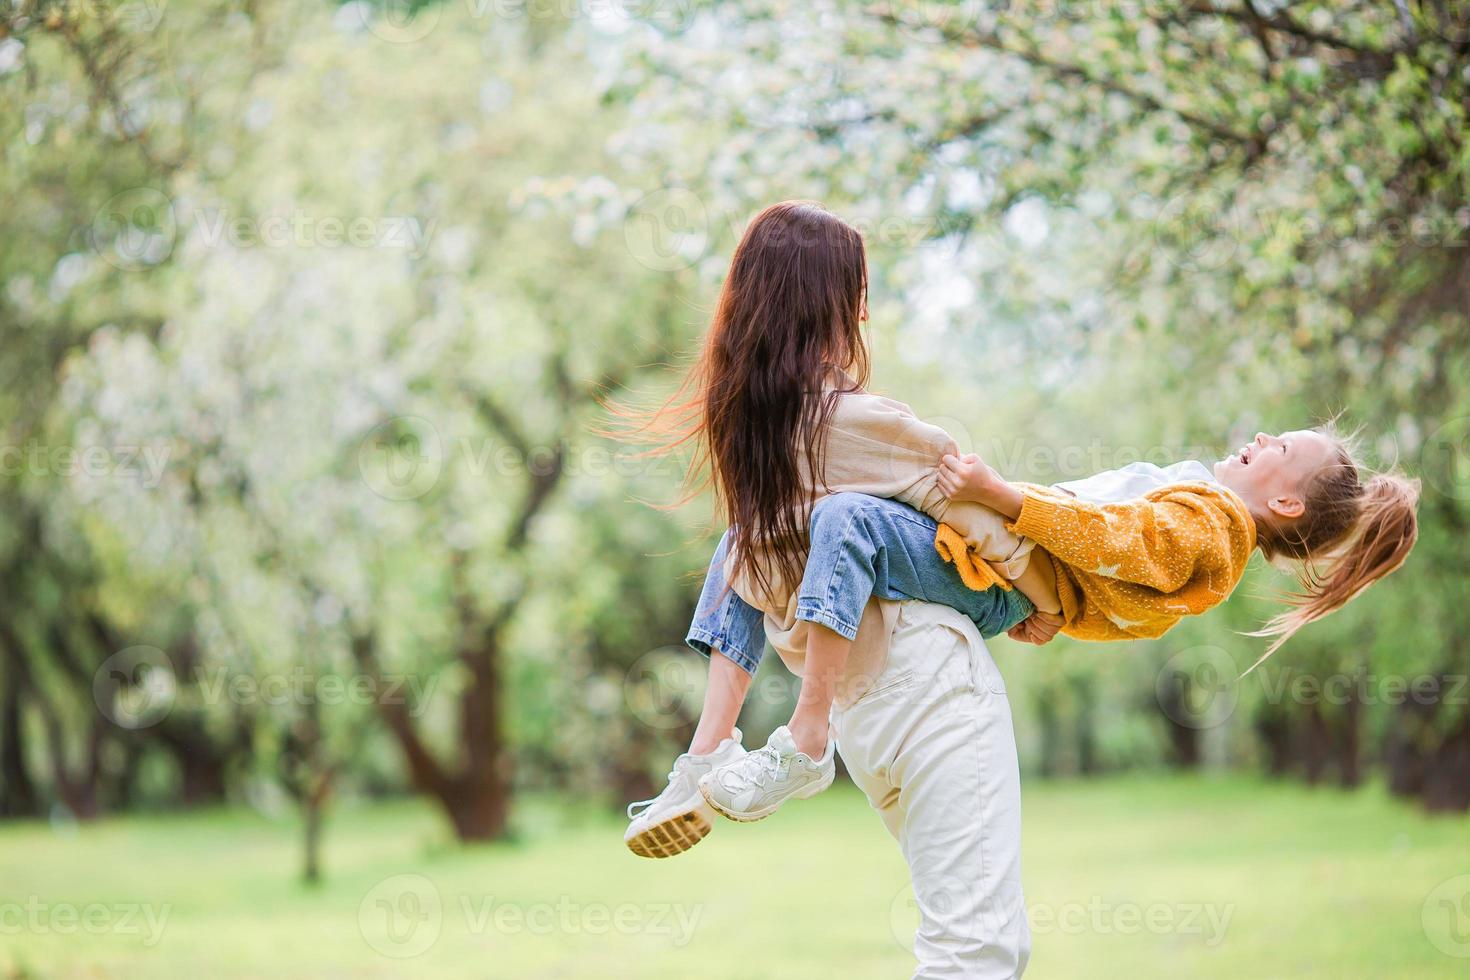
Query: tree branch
pixel 427 774
pixel 1282 23
pixel 1253 143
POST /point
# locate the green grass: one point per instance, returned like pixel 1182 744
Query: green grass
pixel 1241 879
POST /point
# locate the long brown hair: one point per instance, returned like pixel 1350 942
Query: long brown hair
pixel 1352 532
pixel 755 403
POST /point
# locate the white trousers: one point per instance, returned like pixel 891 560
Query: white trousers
pixel 931 744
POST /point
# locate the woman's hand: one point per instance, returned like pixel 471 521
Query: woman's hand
pixel 1039 628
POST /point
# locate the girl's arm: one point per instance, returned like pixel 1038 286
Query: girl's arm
pixel 960 479
pixel 1039 584
pixel 969 477
pixel 1153 542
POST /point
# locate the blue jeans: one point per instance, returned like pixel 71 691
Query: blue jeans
pixel 861 546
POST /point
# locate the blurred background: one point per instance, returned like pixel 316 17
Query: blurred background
pixel 332 639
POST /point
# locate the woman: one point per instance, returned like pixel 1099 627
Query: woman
pixel 777 412
pixel 773 401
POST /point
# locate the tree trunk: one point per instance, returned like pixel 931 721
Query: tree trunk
pixel 304 772
pixel 78 793
pixel 1273 728
pixel 1082 690
pixel 1313 743
pixel 1404 756
pixel 476 795
pixel 479 811
pixel 320 779
pixel 480 804
pixel 311 869
pixel 202 763
pixel 1423 762
pixel 202 760
pixel 1350 744
pixel 122 783
pixel 1184 740
pixel 18 797
pixel 203 778
pixel 1051 738
pixel 1447 772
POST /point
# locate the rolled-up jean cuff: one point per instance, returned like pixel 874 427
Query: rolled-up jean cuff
pixel 809 611
pixel 703 642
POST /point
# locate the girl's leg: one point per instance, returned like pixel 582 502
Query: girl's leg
pixel 826 659
pixel 863 546
pixel 723 699
pixel 841 572
pixel 860 547
pixel 731 632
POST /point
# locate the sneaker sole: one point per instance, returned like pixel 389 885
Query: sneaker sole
pixel 754 815
pixel 672 836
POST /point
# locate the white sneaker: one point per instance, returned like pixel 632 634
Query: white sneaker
pixel 678 818
pixel 753 787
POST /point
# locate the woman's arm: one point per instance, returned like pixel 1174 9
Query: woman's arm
pixel 879 447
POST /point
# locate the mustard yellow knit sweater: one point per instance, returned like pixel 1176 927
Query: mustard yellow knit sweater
pixel 1131 570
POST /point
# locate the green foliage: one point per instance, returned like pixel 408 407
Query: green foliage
pixel 286 251
pixel 1142 230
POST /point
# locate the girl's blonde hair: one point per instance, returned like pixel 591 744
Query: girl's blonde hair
pixel 1352 532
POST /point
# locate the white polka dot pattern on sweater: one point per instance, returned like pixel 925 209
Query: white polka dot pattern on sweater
pixel 1141 565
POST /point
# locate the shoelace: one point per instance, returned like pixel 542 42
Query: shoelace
pixel 761 764
pixel 643 805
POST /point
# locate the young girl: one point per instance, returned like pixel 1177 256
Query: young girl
pixel 1134 569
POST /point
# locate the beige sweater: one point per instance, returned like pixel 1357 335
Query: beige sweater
pixel 877 446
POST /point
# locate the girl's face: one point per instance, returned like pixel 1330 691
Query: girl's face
pixel 1269 472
